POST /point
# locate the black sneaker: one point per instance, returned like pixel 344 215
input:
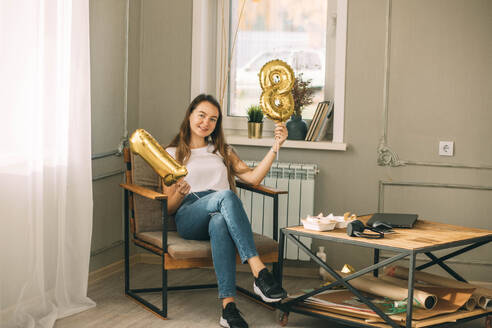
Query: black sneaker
pixel 267 288
pixel 231 317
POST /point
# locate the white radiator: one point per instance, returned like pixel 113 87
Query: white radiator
pixel 298 179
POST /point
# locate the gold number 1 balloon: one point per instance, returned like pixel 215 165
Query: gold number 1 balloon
pixel 143 144
pixel 276 81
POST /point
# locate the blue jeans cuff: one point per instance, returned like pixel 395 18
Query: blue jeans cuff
pixel 248 254
pixel 227 293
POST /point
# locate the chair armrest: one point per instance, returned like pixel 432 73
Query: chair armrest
pixel 145 192
pixel 260 189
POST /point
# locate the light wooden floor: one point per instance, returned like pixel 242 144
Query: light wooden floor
pixel 196 308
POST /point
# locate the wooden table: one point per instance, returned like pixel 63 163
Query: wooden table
pixel 426 237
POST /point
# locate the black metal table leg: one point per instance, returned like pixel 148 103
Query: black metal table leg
pixel 376 260
pixel 279 275
pixel 280 266
pixel 411 273
pixel 276 266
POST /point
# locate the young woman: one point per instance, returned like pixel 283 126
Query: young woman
pixel 206 206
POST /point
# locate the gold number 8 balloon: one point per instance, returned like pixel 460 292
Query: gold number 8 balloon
pixel 276 81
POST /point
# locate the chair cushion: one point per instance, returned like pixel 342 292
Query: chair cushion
pixel 180 248
pixel 148 212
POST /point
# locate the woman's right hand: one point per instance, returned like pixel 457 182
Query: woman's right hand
pixel 280 136
pixel 182 187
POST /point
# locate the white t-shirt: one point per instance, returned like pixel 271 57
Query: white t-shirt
pixel 206 170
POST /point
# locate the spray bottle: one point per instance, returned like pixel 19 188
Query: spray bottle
pixel 322 255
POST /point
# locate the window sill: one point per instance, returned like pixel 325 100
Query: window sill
pixel 299 144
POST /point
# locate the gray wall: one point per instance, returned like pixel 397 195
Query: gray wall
pixel 165 65
pixel 107 35
pixel 159 66
pixel 439 89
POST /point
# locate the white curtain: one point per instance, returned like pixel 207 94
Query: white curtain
pixel 45 161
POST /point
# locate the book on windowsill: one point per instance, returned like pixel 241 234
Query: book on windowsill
pixel 315 120
pixel 323 117
pixel 326 123
pixel 311 125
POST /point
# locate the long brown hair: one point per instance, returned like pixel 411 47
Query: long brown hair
pixel 182 140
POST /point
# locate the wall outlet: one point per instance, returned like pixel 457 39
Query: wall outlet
pixel 446 148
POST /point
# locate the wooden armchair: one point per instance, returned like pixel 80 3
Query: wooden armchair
pixel 151 228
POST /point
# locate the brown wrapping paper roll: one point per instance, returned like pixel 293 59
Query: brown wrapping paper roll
pixel 481 295
pixel 449 301
pixel 469 305
pixel 382 288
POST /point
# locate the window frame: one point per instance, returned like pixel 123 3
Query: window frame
pixel 210 45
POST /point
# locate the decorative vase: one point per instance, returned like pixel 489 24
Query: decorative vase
pixel 297 128
pixel 255 130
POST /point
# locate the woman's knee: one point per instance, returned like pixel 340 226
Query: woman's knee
pixel 217 224
pixel 228 195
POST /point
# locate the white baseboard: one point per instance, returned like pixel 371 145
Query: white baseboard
pixel 112 268
pixel 149 258
pixel 119 266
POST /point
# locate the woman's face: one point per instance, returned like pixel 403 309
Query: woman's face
pixel 203 119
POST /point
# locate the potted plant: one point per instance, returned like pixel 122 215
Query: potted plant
pixel 303 96
pixel 255 122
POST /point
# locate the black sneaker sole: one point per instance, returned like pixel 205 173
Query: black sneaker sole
pixel 263 296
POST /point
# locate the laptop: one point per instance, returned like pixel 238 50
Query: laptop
pixel 396 220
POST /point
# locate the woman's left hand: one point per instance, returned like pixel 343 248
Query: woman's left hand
pixel 280 135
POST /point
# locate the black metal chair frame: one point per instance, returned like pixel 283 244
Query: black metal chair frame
pixel 135 293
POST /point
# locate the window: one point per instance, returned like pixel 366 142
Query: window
pixel 291 30
pixel 309 35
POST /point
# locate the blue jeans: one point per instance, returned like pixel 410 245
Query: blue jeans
pixel 220 217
